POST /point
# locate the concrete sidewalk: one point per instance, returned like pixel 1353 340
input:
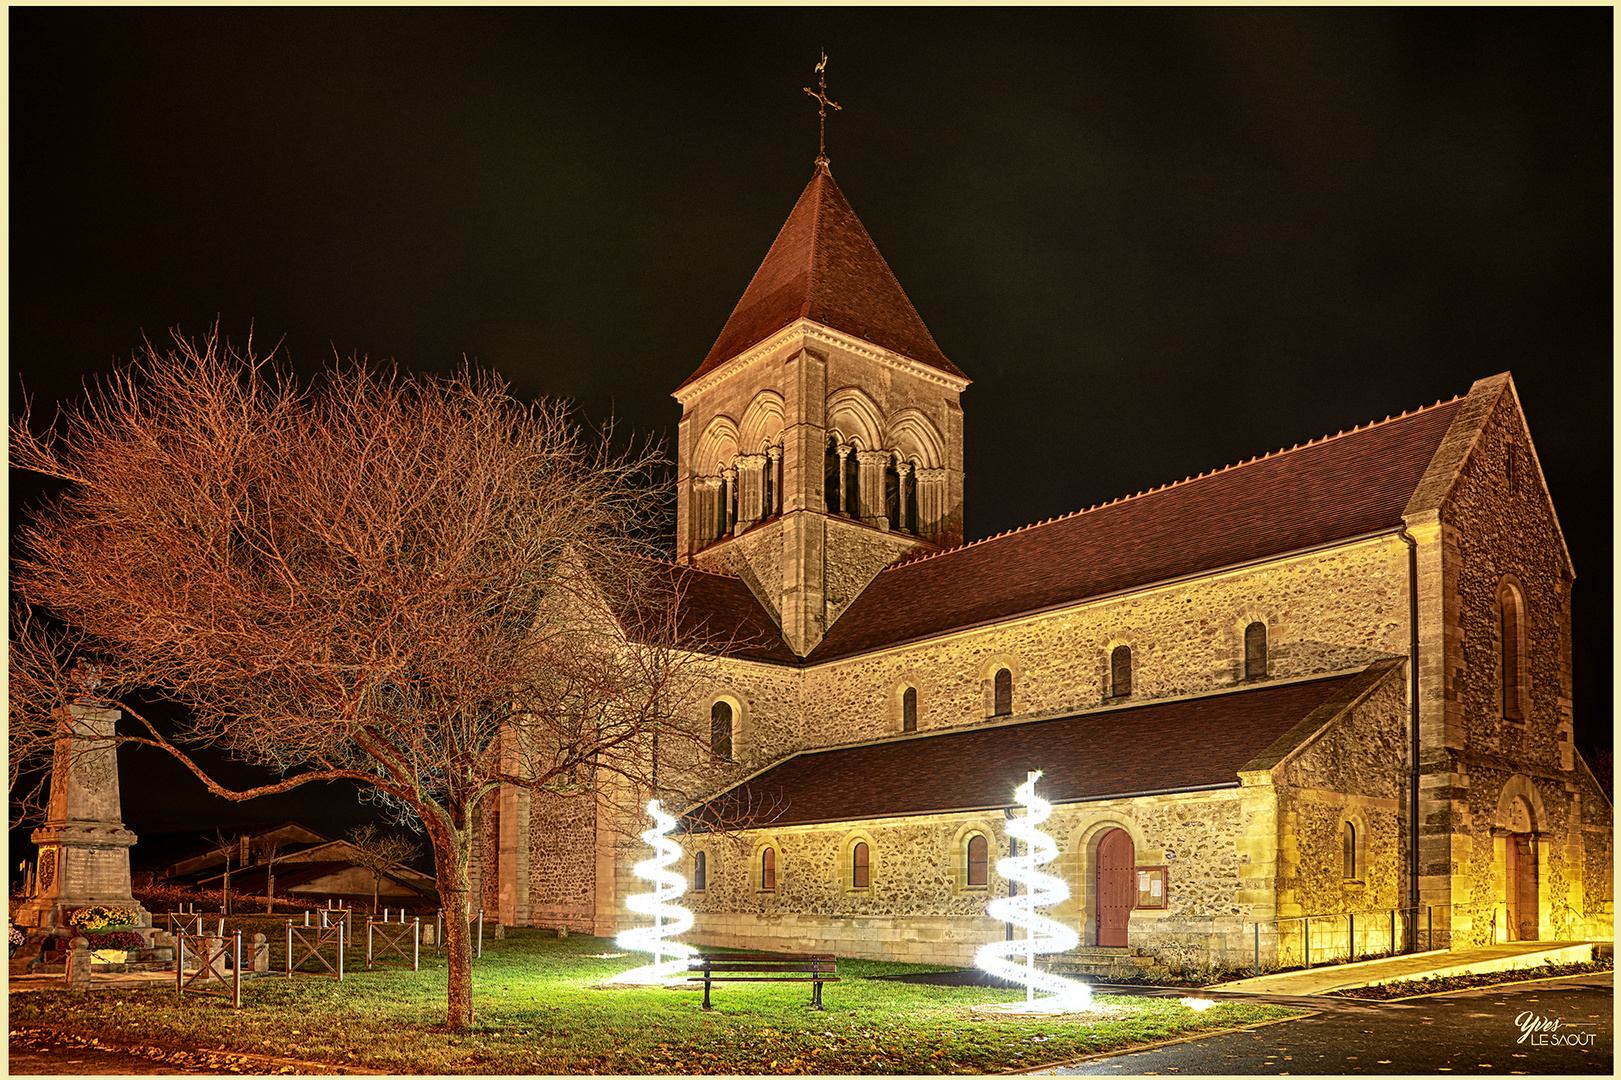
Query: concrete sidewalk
pixel 1478 960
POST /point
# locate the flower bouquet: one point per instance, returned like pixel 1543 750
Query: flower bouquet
pixel 17 937
pixel 101 920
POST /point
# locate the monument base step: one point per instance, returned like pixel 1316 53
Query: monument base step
pixel 108 969
pixel 1103 962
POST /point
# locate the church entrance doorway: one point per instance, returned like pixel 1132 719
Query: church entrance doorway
pixel 1521 881
pixel 1117 886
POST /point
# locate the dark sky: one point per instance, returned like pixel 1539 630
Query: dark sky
pixel 1160 241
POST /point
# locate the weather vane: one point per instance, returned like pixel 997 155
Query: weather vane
pixel 821 109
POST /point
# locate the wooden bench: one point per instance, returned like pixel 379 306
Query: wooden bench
pixel 814 968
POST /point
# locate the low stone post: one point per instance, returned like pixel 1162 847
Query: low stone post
pixel 500 931
pixel 261 953
pixel 562 931
pixel 427 935
pixel 162 947
pixel 214 952
pixel 79 961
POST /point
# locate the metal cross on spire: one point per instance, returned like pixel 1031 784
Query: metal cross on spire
pixel 821 110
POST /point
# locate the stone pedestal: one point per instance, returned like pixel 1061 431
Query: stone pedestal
pixel 83 845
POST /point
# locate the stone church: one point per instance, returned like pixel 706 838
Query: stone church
pixel 1331 680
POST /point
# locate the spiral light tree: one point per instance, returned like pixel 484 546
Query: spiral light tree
pixel 668 920
pixel 1041 934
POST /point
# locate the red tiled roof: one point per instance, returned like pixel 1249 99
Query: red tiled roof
pixel 1167 746
pixel 1332 489
pixel 823 266
pixel 716 613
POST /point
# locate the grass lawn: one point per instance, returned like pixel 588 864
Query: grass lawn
pixel 541 1008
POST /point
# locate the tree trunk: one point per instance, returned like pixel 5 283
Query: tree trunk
pixel 270 889
pixel 459 954
pixel 376 887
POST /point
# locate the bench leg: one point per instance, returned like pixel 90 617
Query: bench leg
pixel 706 993
pixel 816 994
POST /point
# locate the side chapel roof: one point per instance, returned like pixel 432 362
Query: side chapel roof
pixel 716 612
pixel 1180 745
pixel 1331 489
pixel 823 266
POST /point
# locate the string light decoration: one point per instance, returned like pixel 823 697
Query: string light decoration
pixel 668 886
pixel 1042 935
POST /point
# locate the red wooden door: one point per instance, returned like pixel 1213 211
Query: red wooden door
pixel 1522 888
pixel 1117 886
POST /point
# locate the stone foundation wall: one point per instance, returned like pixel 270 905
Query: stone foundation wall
pixel 562 861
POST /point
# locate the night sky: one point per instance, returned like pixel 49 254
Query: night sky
pixel 1159 241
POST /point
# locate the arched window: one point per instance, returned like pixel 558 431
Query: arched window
pixel 1120 672
pixel 909 709
pixel 720 731
pixel 1348 852
pixel 700 872
pixel 1255 650
pixel 978 860
pixel 768 869
pixel 860 865
pixel 1004 692
pixel 1511 666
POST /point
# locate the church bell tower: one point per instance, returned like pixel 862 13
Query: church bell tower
pixel 821 438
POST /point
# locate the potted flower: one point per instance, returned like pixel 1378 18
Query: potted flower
pixel 17 937
pixel 115 946
pixel 102 920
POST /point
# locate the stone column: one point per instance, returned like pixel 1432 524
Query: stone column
pixel 729 516
pixel 751 489
pixel 873 464
pixel 83 845
pixel 844 450
pixel 904 470
pixel 931 500
pixel 774 471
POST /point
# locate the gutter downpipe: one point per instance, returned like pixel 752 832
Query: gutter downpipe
pixel 1412 794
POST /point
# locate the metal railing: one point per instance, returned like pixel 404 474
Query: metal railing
pixel 312 940
pixel 211 952
pixel 389 937
pixel 1346 936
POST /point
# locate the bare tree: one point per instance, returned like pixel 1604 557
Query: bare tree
pixel 268 849
pixel 229 847
pixel 379 853
pixel 417 584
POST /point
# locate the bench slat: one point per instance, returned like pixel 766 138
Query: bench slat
pixel 744 956
pixel 762 978
pixel 812 966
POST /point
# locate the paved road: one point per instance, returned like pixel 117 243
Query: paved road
pixel 1557 1026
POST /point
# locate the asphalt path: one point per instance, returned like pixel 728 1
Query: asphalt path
pixel 1557 1026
